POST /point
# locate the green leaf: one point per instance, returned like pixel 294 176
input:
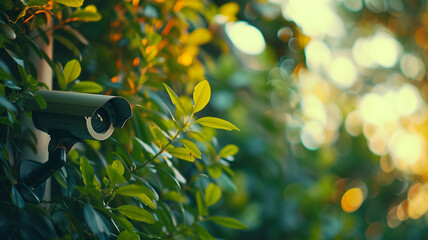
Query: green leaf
pixel 43 35
pixel 182 153
pixel 158 135
pixel 228 222
pixel 88 14
pixel 16 58
pixel 17 199
pixel 59 177
pixel 87 171
pixel 87 87
pixel 202 207
pixel 72 71
pixel 136 213
pixel 212 194
pixel 202 233
pixel 228 150
pixel 60 77
pixel 37 3
pixel 7 104
pixel 214 171
pixel 69 44
pixel 153 38
pixel 174 98
pixel 166 217
pixel 225 183
pixel 76 34
pixel 141 147
pixel 94 221
pixel 126 235
pixel 192 147
pixel 201 95
pixel 40 101
pixel 70 3
pixel 106 182
pixel 7 31
pixel 140 192
pixel 5 73
pixel 96 183
pixel 114 176
pixel 167 180
pixel 148 189
pixel 216 123
pixel 121 221
pixel 174 196
pixel 118 167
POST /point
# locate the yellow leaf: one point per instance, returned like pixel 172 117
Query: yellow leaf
pixel 182 153
pixel 229 10
pixel 187 103
pixel 212 194
pixel 72 71
pixel 91 8
pixel 174 196
pixel 228 150
pixel 188 55
pixel 216 123
pixel 158 135
pixel 70 3
pixel 196 72
pixel 137 191
pixel 192 147
pixel 175 100
pixel 201 95
pixel 199 36
pixel 214 171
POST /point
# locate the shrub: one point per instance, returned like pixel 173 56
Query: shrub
pixel 155 179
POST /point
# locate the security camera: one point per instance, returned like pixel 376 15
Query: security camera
pixel 80 115
pixel 68 118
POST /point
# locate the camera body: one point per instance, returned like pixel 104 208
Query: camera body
pixel 68 118
pixel 80 115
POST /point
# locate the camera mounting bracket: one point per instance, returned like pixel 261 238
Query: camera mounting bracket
pixel 33 175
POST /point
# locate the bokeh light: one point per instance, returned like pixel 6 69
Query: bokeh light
pixel 318 55
pixel 412 66
pixel 380 49
pixel 342 72
pixel 316 18
pixel 245 37
pixel 365 79
pixel 352 199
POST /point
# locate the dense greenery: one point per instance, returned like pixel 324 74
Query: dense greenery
pixel 157 178
pixel 331 114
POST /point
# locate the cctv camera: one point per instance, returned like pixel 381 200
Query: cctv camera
pixel 68 118
pixel 80 115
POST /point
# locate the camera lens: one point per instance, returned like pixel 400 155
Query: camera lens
pixel 100 121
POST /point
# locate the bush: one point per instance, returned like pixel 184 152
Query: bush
pixel 159 176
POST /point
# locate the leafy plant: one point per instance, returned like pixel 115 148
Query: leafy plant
pixel 160 176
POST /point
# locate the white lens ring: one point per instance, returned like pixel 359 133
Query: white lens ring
pixel 96 135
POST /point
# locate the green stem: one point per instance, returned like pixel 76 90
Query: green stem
pixel 161 150
pixel 186 124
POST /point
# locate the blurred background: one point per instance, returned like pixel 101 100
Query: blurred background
pixel 330 97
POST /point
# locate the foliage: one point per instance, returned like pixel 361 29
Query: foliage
pixel 332 118
pixel 160 176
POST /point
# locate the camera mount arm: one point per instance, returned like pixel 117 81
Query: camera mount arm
pixel 59 145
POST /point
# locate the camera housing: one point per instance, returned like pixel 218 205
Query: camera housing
pixel 80 115
pixel 68 118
